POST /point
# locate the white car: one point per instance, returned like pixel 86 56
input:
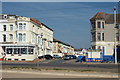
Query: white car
pixel 57 57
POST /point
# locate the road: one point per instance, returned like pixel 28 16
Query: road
pixel 65 64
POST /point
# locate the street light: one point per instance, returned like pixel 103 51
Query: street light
pixel 115 35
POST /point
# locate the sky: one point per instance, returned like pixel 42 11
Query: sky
pixel 59 0
pixel 69 20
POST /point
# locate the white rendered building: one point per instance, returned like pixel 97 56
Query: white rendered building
pixel 23 38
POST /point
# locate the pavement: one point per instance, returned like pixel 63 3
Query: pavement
pixel 54 74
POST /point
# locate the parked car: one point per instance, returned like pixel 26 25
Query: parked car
pixel 40 57
pixel 57 57
pixel 74 57
pixel 68 57
pixel 48 57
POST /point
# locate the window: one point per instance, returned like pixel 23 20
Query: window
pixel 48 43
pixel 9 50
pixel 4 27
pixel 30 50
pixel 23 59
pixel 38 40
pixel 98 25
pixel 5 16
pixel 11 37
pixel 16 51
pixel 42 42
pixel 20 37
pixel 93 25
pixel 93 36
pixel 98 36
pixel 24 26
pixel 93 47
pixel 103 36
pixel 16 59
pixel 103 25
pixel 11 27
pixel 23 50
pixel 9 59
pixel 24 37
pixel 12 17
pixel 4 38
pixel 20 26
pixel 35 38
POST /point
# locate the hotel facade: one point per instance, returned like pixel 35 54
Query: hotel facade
pixel 61 48
pixel 103 32
pixel 24 38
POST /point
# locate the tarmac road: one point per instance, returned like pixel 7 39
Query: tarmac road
pixel 65 64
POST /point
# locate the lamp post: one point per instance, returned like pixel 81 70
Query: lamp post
pixel 115 35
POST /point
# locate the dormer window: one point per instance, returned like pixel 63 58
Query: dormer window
pixel 11 17
pixel 5 16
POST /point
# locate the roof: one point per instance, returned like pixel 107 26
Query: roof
pixel 55 40
pixel 46 26
pixel 35 21
pixel 31 19
pixel 109 18
pixel 78 49
pixel 39 23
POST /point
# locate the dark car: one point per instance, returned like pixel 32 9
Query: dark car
pixel 48 57
pixel 74 57
pixel 40 57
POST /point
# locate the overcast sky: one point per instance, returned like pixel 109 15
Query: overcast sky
pixel 69 20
